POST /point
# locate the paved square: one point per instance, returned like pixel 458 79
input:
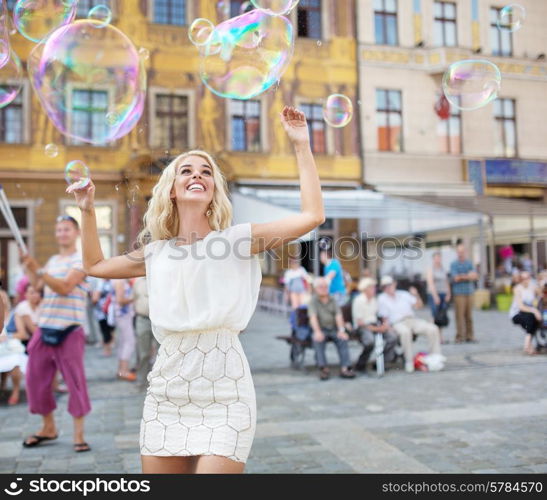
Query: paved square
pixel 486 412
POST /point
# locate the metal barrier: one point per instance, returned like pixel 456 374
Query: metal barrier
pixel 272 300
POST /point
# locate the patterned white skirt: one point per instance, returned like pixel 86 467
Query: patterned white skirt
pixel 201 398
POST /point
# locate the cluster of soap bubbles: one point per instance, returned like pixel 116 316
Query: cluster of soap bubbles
pixel 70 58
pixel 473 83
pixel 243 56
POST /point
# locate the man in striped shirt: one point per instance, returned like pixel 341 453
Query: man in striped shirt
pixel 59 342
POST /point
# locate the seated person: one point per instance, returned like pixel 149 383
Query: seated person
pixel 327 322
pixel 26 314
pixel 398 307
pixel 365 320
pixel 523 312
pixel 13 360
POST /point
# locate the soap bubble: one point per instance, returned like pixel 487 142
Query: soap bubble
pixel 105 74
pixel 52 150
pixel 471 84
pixel 144 53
pixel 200 31
pixel 275 7
pixel 77 172
pixel 246 55
pixel 35 19
pixel 100 13
pixel 11 79
pixel 338 110
pixel 4 34
pixel 511 17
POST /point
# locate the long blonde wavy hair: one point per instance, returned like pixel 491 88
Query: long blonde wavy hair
pixel 161 220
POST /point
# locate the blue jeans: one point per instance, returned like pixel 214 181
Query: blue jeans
pixel 341 346
pixel 434 307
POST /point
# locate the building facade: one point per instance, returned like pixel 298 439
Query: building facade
pixel 405 47
pixel 181 114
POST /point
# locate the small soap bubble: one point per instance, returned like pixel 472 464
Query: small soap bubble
pixel 77 172
pixel 52 150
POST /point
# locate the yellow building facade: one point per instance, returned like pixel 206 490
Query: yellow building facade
pixel 181 114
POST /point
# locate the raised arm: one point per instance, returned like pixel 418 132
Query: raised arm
pixel 274 234
pixel 131 265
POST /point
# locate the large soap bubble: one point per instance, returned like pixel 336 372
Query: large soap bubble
pixel 35 19
pixel 84 74
pixel 11 79
pixel 275 7
pixel 471 84
pixel 4 34
pixel 247 54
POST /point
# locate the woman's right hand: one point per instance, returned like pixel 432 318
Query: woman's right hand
pixel 85 197
pixel 436 299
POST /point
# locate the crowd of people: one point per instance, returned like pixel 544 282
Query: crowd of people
pixel 386 315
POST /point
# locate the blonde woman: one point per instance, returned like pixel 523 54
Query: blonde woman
pixel 203 278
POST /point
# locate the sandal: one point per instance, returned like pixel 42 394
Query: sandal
pixel 130 377
pixel 38 440
pixel 324 374
pixel 81 447
pixel 347 373
pixel 13 400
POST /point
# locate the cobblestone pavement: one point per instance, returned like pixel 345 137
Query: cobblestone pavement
pixel 486 412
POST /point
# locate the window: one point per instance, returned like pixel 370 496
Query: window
pixel 12 122
pixel 445 24
pixel 236 5
pixel 309 19
pixel 105 224
pixel 316 126
pixel 84 6
pixel 449 132
pixel 89 108
pixel 506 127
pixel 389 119
pixel 501 39
pixel 170 12
pixel 171 124
pixel 245 120
pixel 385 22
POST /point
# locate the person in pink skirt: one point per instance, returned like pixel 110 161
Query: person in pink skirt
pixel 59 341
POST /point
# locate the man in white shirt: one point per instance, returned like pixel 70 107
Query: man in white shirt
pixel 398 307
pixel 364 313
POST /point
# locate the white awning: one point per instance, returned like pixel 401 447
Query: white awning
pixel 381 215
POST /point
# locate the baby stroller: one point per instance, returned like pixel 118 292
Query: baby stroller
pixel 301 335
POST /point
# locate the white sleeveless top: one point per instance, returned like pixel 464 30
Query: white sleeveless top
pixel 528 296
pixel 212 283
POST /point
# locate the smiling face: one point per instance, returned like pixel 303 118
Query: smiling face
pixel 66 233
pixel 193 181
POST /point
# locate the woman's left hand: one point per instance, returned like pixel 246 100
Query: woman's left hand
pixel 295 124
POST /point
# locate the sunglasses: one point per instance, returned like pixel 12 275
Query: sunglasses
pixel 67 218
